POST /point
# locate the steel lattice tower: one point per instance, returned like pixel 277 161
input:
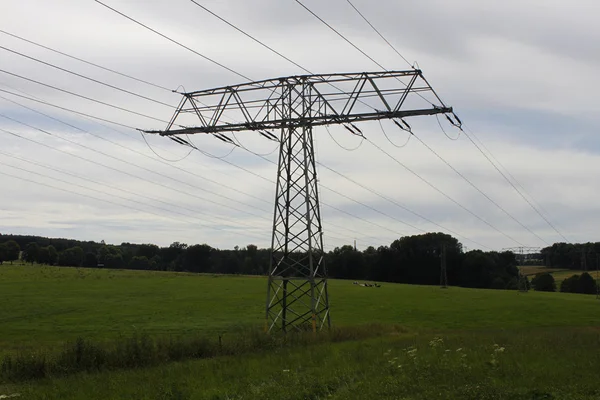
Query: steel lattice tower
pixel 297 297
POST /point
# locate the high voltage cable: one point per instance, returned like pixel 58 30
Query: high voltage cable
pixel 174 41
pixel 113 203
pixel 360 50
pixel 67 109
pixel 145 169
pixel 400 205
pixel 117 170
pixel 135 176
pixel 444 194
pixel 124 198
pixel 86 62
pixel 379 33
pixel 514 187
pixel 532 206
pixel 88 179
pixel 390 140
pixel 83 97
pixel 86 77
pixel 140 153
pixel 250 36
pixel 479 190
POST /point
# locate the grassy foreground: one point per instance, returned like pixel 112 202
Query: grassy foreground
pixel 512 345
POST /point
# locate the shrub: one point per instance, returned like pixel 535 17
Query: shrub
pixel 587 284
pixel 544 283
pixel 570 285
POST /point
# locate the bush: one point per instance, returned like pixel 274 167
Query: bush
pixel 544 283
pixel 587 284
pixel 570 285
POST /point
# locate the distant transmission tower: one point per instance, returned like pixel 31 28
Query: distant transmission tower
pixel 443 272
pixel 597 276
pixel 297 296
pixel 522 253
pixel 583 260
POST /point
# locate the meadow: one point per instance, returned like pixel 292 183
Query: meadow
pixel 413 342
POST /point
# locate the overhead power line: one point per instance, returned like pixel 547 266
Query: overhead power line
pixel 171 209
pixel 250 36
pixel 67 109
pixel 82 96
pixel 514 187
pixel 480 191
pixel 173 40
pixel 148 170
pixel 444 193
pixel 86 62
pixel 87 77
pixel 379 33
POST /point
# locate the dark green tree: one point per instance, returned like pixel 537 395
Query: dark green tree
pixel 544 283
pixel 30 255
pixel 587 284
pixel 570 285
pixel 3 253
pixel 13 251
pixel 72 257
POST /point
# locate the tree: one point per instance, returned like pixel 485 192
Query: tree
pixel 13 250
pixel 570 285
pixel 72 257
pixel 52 255
pixel 43 256
pixel 139 263
pixel 30 254
pixel 90 260
pixel 3 253
pixel 587 284
pixel 544 283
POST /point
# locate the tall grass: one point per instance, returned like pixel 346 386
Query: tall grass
pixel 142 350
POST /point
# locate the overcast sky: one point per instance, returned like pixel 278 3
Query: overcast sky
pixel 522 75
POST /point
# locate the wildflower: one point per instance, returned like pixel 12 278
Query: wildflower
pixel 499 350
pixel 459 349
pixel 286 370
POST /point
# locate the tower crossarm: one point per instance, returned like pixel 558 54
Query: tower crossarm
pixel 332 99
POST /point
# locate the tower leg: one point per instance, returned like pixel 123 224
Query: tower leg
pixel 297 297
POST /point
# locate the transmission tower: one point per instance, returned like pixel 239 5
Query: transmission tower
pixel 522 253
pixel 597 276
pixel 297 296
pixel 583 260
pixel 443 273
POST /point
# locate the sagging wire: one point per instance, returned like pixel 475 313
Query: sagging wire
pixel 404 129
pixel 443 130
pixel 191 144
pixel 353 131
pixel 161 157
pixel 267 135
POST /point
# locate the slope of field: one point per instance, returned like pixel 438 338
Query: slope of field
pixel 455 344
pixel 44 306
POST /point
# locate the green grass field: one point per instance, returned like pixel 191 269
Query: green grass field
pixel 550 340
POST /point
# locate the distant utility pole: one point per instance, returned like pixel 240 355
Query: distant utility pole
pixel 443 273
pixel 297 296
pixel 597 276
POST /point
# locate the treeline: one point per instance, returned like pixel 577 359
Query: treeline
pixel 414 259
pixel 572 255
